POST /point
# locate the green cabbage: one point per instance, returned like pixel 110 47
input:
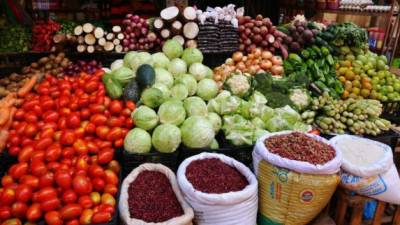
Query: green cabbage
pixel 192 55
pixel 164 89
pixel 139 59
pixel 166 138
pixel 137 141
pixel 197 132
pixel 164 77
pixel 145 117
pixel 152 97
pixel 215 120
pixel 160 60
pixel 214 144
pixel 179 91
pixel 177 67
pixel 277 123
pixel 207 89
pixel 198 70
pixel 172 49
pixel 172 112
pixel 238 130
pixel 195 106
pixel 123 75
pixel 117 64
pixel 189 81
pixel 128 58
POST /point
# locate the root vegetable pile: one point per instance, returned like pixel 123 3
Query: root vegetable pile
pixel 152 199
pixel 64 136
pixel 260 32
pixel 82 66
pixel 215 176
pixel 300 147
pixel 301 33
pixel 53 64
pixel 137 35
pixel 42 35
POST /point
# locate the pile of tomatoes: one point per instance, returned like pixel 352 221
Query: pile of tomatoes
pixel 65 135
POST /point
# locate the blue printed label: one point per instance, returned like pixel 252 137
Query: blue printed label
pixel 368 186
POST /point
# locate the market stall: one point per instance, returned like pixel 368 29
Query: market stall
pixel 195 116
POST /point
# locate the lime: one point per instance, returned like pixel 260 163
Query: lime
pixel 384 98
pixel 390 89
pixel 396 86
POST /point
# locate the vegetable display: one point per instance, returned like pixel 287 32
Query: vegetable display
pixel 137 34
pixel 88 67
pixel 15 39
pixel 64 136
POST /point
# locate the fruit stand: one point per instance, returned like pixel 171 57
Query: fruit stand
pixel 197 116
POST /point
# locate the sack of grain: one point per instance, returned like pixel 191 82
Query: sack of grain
pixel 146 191
pixel 211 202
pixel 368 168
pixel 293 191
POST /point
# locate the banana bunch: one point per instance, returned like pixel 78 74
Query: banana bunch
pixel 359 116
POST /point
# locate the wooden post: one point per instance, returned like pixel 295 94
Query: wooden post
pixel 380 209
pixel 357 214
pixel 396 216
pixel 341 208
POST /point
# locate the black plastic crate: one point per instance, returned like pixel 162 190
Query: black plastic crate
pixel 131 161
pixel 242 154
pixel 215 59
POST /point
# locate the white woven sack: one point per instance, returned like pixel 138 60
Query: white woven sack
pixel 230 208
pixel 260 152
pixel 379 180
pixel 185 219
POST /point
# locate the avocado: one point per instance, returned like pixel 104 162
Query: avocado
pixel 132 91
pixel 145 76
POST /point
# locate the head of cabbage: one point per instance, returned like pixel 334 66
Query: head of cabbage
pixel 189 81
pixel 197 132
pixel 215 120
pixel 145 117
pixel 137 141
pixel 207 89
pixel 164 89
pixel 166 138
pixel 195 106
pixel 160 60
pixel 172 49
pixel 164 77
pixel 177 67
pixel 139 59
pixel 179 91
pixel 172 112
pixel 192 55
pixel 152 97
pixel 198 70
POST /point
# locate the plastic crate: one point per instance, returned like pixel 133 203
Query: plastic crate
pixel 130 161
pixel 216 59
pixel 242 154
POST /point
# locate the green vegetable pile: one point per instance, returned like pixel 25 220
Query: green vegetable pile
pixel 319 66
pixel 15 38
pixel 349 34
pixel 67 27
pixel 360 116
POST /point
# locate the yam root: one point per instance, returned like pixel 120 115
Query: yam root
pixel 22 92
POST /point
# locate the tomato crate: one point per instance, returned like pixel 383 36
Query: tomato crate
pixel 130 160
pixel 242 154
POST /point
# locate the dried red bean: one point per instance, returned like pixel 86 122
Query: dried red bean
pixel 152 199
pixel 215 176
pixel 300 147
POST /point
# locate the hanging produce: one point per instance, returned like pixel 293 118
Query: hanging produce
pixel 359 116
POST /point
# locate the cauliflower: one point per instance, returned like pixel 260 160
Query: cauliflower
pixel 300 99
pixel 239 84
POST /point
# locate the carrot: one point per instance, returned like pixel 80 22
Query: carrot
pixel 24 90
pixel 4 115
pixel 10 119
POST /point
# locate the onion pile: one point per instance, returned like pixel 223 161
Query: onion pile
pixel 258 61
pixel 88 67
pixel 137 35
pixel 260 32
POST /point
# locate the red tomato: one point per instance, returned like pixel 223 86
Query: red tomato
pixel 25 154
pixel 30 180
pixel 83 101
pixel 90 128
pixel 30 130
pixel 53 153
pixel 30 117
pixel 12 222
pixel 91 86
pixel 101 217
pixel 116 107
pixel 33 213
pixel 68 152
pixel 37 155
pixel 126 112
pixel 28 105
pixel 53 166
pixel 114 166
pixel 13 151
pixel 119 143
pixel 98 184
pixel 69 197
pixel 63 179
pixel 50 116
pixel 14 140
pixel 5 213
pixel 51 125
pixel 23 193
pixel 111 189
pixel 72 222
pixel 106 208
pixel 102 132
pixel 92 147
pixel 80 147
pixel 81 163
pixel 86 217
pixel 18 170
pixel 85 114
pixel 107 198
pixel 53 218
pixel 73 120
pixel 37 110
pixel 82 185
pixel 70 211
pixel 114 134
pixel 96 171
pixel 97 108
pixel 47 133
pixel 95 197
pixel 19 209
pixel 130 105
pixel 7 180
pixel 46 180
pixel 85 201
pixel 114 122
pixel 129 123
pixel 43 144
pixel 45 194
pixel 19 114
pixel 38 168
pixel 47 104
pixel 50 204
pixel 314 131
pixel 7 197
pixel 67 137
pixel 98 119
pixel 64 112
